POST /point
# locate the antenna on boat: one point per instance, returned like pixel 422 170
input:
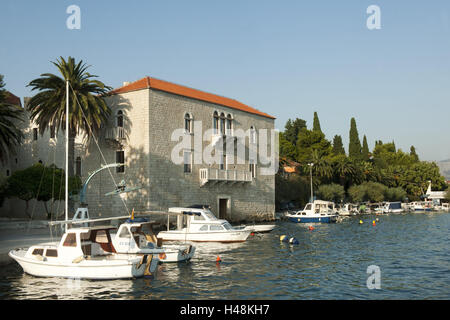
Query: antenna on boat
pixel 66 199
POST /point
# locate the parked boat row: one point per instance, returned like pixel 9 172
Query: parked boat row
pixel 326 211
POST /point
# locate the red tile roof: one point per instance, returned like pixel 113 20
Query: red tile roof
pixel 12 99
pixel 153 83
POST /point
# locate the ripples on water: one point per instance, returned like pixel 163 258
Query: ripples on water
pixel 330 263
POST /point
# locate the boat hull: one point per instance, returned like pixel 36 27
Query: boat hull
pixel 305 219
pixel 85 269
pixel 225 237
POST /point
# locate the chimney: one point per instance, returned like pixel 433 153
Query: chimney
pixel 125 83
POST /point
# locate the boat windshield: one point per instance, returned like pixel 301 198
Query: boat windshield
pixel 227 226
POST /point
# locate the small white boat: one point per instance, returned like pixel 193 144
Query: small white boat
pixel 445 206
pixel 348 209
pixel 257 228
pixel 422 206
pixel 83 253
pixel 202 225
pixel 393 207
pixel 318 211
pixel 136 236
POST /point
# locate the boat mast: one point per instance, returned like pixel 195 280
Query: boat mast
pixel 66 200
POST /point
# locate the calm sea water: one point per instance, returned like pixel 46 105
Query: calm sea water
pixel 411 250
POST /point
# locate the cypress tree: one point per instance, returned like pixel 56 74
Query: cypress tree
pixel 413 153
pixel 316 123
pixel 338 146
pixel 354 146
pixel 365 150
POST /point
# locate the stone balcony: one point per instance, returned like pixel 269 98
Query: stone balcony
pixel 115 135
pixel 226 176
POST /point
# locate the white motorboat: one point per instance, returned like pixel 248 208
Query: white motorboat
pixel 348 209
pixel 393 207
pixel 257 228
pixel 136 236
pixel 422 206
pixel 318 211
pixel 202 225
pixel 83 253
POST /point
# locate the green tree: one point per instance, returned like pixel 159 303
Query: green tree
pixel 344 170
pixel 338 146
pixel 292 129
pixel 88 109
pixel 41 183
pixel 309 140
pixel 287 149
pixel 316 123
pixel 413 153
pixel 322 169
pixel 292 188
pixel 354 147
pixel 10 114
pixel 331 192
pixel 365 153
pixel 367 191
pixel 395 194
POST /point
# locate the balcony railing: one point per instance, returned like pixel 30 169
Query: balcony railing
pixel 217 175
pixel 116 134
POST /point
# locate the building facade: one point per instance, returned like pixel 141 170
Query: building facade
pixel 149 119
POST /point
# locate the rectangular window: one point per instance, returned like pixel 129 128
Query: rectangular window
pixel 51 253
pixel 187 156
pixel 78 166
pixel 253 169
pixel 52 132
pixel 35 134
pixel 38 252
pixel 120 158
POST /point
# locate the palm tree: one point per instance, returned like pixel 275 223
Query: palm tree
pixel 88 110
pixel 322 168
pixel 10 135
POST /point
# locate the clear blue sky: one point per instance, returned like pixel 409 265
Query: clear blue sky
pixel 286 58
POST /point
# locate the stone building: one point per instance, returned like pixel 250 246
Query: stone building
pixel 142 133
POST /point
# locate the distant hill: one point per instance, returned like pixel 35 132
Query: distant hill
pixel 444 167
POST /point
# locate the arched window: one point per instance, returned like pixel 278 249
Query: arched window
pixel 229 128
pixel 78 166
pixel 222 123
pixel 188 122
pixel 120 118
pixel 216 122
pixel 252 135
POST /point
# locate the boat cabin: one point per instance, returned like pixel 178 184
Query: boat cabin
pixel 77 243
pixel 136 234
pixel 197 218
pixel 318 207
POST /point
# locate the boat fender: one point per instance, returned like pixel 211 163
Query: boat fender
pixel 293 241
pixel 162 256
pixel 147 271
pixel 78 260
